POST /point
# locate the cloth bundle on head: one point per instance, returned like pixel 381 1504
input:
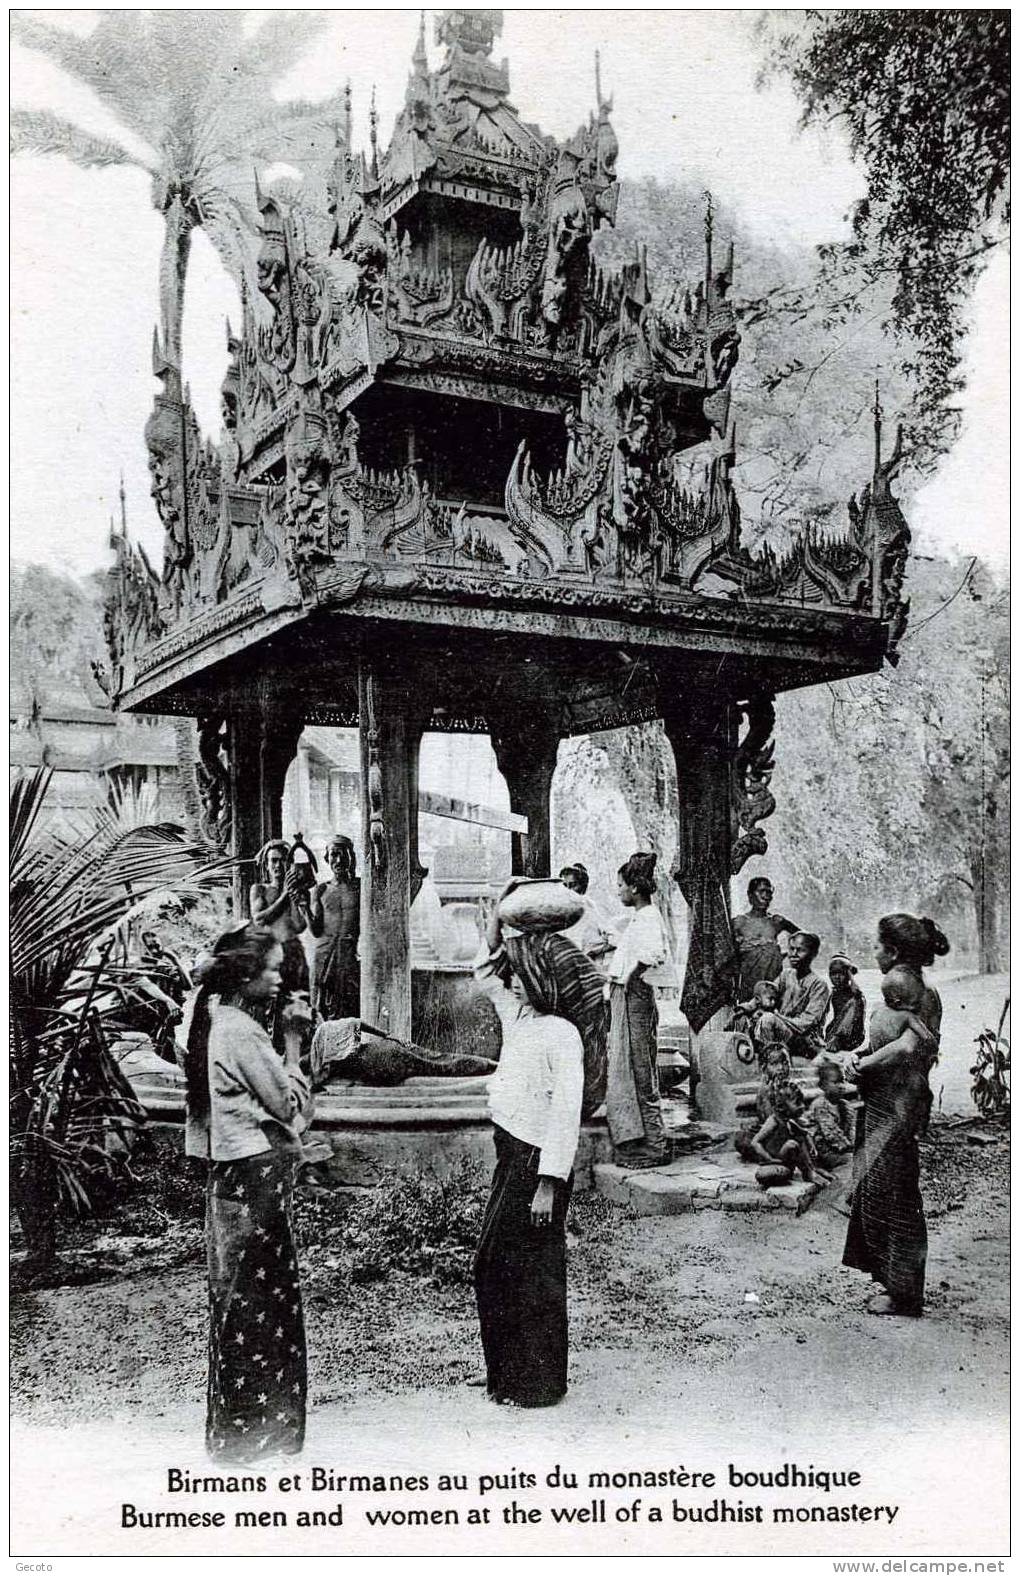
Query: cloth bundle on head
pixel 560 979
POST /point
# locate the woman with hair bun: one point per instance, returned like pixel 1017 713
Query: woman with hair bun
pixel 246 1109
pixel 633 1108
pixel 887 1236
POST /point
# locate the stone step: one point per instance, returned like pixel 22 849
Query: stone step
pixel 708 1180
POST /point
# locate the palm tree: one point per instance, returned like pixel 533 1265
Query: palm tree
pixel 72 895
pixel 194 92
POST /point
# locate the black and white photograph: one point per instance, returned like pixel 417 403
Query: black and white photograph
pixel 509 784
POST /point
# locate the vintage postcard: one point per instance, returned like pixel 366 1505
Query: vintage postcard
pixel 510 784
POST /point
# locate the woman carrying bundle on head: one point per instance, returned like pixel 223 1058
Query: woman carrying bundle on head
pixel 549 1000
pixel 633 1108
pixel 246 1109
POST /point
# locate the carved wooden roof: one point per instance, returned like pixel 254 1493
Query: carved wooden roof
pixel 455 267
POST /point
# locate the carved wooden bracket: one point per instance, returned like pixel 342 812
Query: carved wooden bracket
pixel 213 776
pixel 753 765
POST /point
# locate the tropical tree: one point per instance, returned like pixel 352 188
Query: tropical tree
pixel 193 91
pixel 72 893
pixel 923 98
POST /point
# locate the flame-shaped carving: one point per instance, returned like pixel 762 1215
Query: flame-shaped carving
pixel 500 280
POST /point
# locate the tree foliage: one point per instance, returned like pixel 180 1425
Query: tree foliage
pixel 893 789
pixel 923 97
pixel 194 92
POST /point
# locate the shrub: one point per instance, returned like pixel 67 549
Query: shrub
pixel 417 1222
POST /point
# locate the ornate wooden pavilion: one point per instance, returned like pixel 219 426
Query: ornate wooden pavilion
pixel 470 480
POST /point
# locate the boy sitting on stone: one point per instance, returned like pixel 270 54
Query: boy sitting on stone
pixel 783 1145
pixel 774 1073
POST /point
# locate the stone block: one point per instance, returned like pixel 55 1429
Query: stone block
pixel 746 1198
pixel 795 1196
pixel 613 1182
pixel 654 1194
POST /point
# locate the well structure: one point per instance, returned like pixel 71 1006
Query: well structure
pixel 468 480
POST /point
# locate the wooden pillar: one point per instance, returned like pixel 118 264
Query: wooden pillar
pixel 261 742
pixel 248 819
pixel 526 742
pixel 703 741
pixel 384 734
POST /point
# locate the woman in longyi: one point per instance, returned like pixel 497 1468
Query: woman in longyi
pixel 246 1109
pixel 548 997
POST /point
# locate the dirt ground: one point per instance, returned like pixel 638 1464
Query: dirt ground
pixel 702 1333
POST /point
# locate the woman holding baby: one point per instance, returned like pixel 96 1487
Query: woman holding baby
pixel 887 1236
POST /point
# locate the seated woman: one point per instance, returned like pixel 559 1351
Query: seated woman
pixel 535 1104
pixel 845 1030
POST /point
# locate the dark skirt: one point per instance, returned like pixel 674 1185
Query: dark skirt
pixel 633 1104
pixel 294 967
pixel 521 1283
pixel 887 1236
pixel 336 979
pixel 257 1363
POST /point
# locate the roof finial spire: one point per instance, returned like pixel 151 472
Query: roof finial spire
pixel 123 506
pixel 421 59
pixel 373 133
pixel 347 113
pixel 709 218
pixel 878 433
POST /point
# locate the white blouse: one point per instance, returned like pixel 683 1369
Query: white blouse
pixel 643 940
pixel 257 1102
pixel 535 1092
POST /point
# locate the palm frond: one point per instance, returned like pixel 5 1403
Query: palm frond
pixel 280 41
pixel 39 131
pixel 64 896
pixel 118 61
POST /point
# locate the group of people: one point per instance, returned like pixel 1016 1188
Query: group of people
pixel 790 1011
pixel 578 1026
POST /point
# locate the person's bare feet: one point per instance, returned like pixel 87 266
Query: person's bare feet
pixel 885 1304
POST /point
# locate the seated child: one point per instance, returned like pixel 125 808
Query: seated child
pixel 764 999
pixel 829 1120
pixel 775 1072
pixel 902 995
pixel 783 1145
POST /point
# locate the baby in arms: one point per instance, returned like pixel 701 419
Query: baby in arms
pixel 902 997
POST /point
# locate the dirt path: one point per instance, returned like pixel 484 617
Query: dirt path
pixel 670 1362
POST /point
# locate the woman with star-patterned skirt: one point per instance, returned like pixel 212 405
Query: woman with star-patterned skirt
pixel 246 1109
